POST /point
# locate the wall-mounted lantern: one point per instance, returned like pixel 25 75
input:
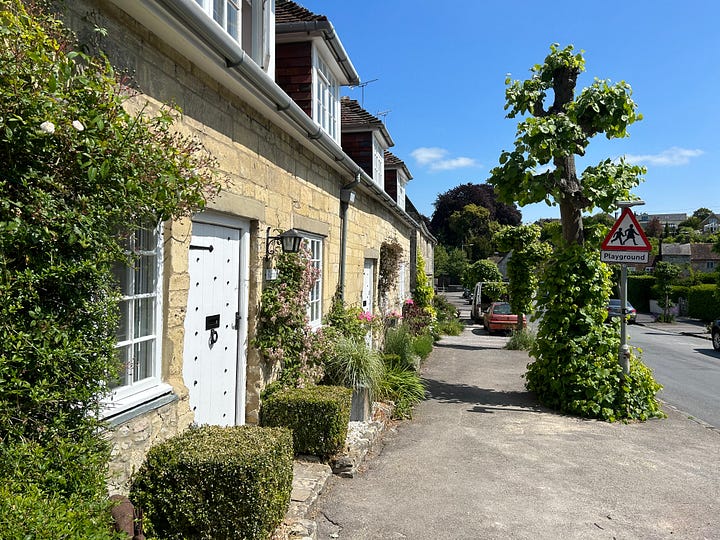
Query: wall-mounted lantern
pixel 289 241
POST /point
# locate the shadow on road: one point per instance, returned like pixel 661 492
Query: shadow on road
pixel 463 347
pixel 485 400
pixel 712 353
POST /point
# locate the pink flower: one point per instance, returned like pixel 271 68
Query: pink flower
pixel 409 302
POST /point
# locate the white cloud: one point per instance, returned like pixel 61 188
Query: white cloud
pixel 455 163
pixel 667 158
pixel 433 157
pixel 427 155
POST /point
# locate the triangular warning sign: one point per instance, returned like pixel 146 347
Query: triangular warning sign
pixel 626 235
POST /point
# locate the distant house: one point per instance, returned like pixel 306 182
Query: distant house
pixel 699 257
pixel 703 258
pixel 710 224
pixel 668 221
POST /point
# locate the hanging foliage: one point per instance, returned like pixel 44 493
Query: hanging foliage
pixel 391 253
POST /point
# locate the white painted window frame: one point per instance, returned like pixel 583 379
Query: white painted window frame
pixel 314 245
pixel 208 6
pixel 326 96
pixel 143 390
pixel 378 155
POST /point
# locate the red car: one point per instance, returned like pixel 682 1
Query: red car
pixel 498 318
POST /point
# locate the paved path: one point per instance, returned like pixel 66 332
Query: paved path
pixel 481 460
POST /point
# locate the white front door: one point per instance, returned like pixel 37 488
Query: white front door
pixel 215 323
pixel 368 290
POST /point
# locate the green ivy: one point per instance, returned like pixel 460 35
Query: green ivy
pixel 576 369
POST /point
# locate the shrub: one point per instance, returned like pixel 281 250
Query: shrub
pixel 216 482
pixel 449 328
pixel 29 513
pixel 521 340
pixel 402 386
pixel 283 336
pixel 418 319
pixel 423 345
pixel 317 415
pixel 399 342
pixel 447 323
pixel 702 304
pixel 78 170
pixel 353 364
pixel 344 321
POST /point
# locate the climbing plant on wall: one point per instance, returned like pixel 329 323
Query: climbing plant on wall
pixel 391 253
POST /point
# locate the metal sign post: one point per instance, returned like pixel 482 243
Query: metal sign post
pixel 625 243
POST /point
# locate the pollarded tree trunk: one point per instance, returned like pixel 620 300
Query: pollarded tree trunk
pixel 572 201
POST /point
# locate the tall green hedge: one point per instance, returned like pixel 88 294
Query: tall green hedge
pixel 639 289
pixel 702 302
pixel 77 171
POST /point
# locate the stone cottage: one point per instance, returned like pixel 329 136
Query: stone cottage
pixel 258 82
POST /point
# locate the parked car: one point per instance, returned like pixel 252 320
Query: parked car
pixel 498 318
pixel 715 331
pixel 615 311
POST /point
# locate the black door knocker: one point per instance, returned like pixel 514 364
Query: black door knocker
pixel 211 323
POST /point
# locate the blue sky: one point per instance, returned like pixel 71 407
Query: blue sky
pixel 441 68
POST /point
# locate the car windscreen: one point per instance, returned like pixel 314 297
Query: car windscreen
pixel 502 309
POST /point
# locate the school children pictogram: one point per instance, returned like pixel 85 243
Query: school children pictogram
pixel 626 235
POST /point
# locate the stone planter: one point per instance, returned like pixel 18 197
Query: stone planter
pixel 361 409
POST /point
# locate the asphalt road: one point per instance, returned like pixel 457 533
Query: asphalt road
pixel 686 366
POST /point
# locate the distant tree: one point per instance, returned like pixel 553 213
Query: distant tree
pixel 457 198
pixel 702 213
pixel 450 264
pixel 482 270
pixel 692 223
pixel 665 274
pixel 654 228
pixel 471 220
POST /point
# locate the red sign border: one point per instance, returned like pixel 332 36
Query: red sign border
pixel 639 229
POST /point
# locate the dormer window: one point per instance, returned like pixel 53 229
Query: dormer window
pixel 326 92
pixel 224 12
pixel 249 22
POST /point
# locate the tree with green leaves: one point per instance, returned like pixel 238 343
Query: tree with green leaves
pixel 575 368
pixel 542 165
pixel 665 275
pixel 528 253
pixel 450 264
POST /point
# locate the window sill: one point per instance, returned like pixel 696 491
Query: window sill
pixel 120 411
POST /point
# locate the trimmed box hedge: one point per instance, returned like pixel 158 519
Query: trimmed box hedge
pixel 216 482
pixel 317 415
pixel 703 303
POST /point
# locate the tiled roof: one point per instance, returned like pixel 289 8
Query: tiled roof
pixel 394 162
pixel 676 249
pixel 391 160
pixel 703 252
pixel 354 116
pixel 287 12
